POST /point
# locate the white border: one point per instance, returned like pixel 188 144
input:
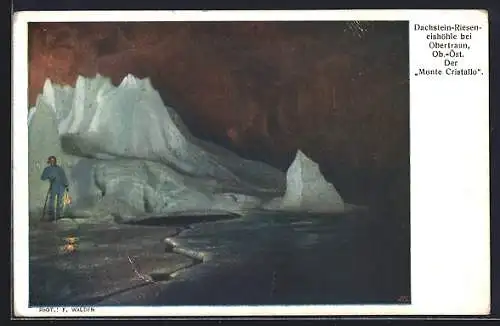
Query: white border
pixel 449 171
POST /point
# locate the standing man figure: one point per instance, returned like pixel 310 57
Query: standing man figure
pixel 58 184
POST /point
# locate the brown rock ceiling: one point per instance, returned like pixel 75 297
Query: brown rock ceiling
pixel 263 89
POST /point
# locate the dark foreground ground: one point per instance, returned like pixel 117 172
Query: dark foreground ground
pixel 262 258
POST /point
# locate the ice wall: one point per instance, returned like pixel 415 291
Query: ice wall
pixel 127 154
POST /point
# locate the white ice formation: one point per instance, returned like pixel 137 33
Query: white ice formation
pixel 127 154
pixel 307 189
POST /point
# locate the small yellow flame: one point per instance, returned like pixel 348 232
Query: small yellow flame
pixel 69 248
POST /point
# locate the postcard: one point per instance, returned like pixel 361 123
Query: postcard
pixel 251 163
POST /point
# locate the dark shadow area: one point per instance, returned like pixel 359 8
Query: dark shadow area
pixel 52 286
pixel 160 277
pixel 95 300
pixel 359 260
pixel 181 220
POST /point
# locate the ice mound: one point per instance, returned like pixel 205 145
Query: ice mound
pixel 307 190
pixel 127 154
